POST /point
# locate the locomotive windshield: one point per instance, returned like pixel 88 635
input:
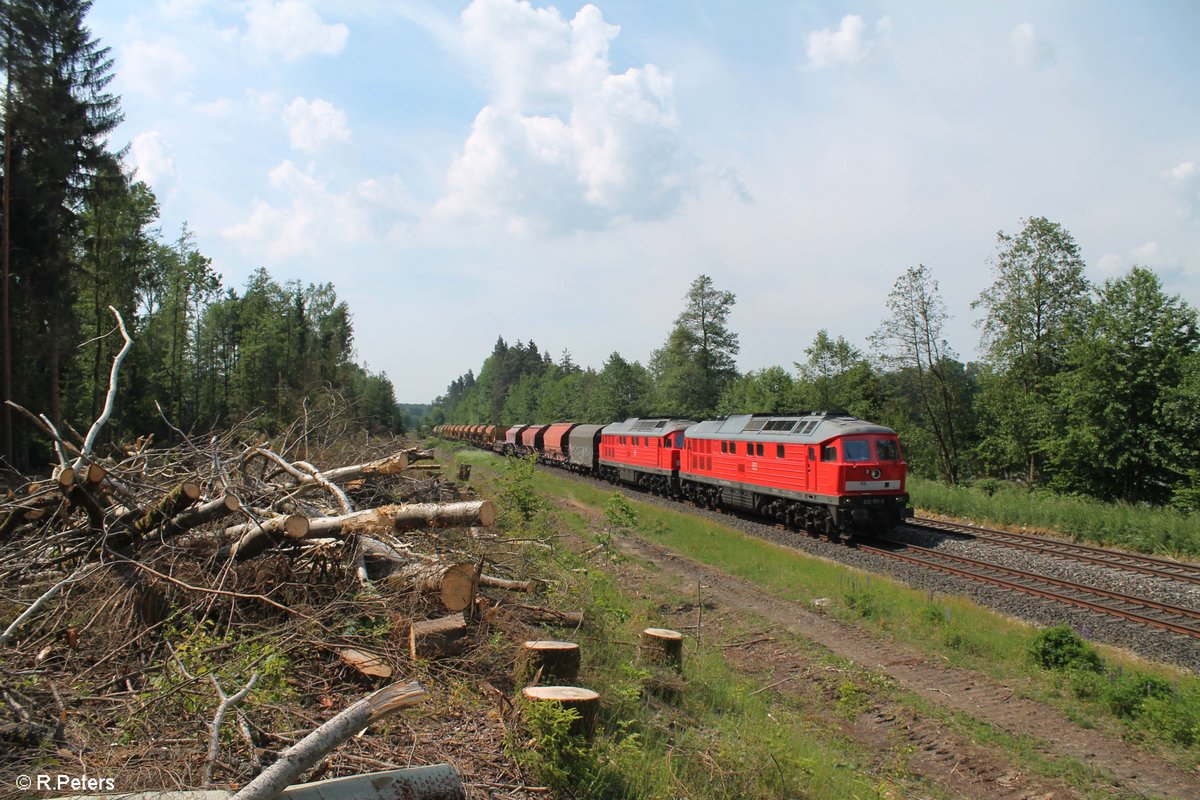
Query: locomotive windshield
pixel 887 450
pixel 856 450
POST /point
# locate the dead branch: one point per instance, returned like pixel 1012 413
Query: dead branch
pixel 90 441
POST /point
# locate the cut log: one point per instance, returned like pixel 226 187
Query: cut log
pixel 662 646
pixel 205 512
pixel 172 503
pixel 513 586
pixel 539 615
pixel 454 584
pixel 549 661
pixel 367 663
pixel 433 638
pixel 300 757
pixel 434 782
pixel 256 537
pixel 407 518
pixel 585 702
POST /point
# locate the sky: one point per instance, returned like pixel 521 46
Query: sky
pixel 562 173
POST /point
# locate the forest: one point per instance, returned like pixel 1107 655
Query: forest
pixel 1081 388
pixel 82 242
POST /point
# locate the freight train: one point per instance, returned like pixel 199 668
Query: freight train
pixel 824 472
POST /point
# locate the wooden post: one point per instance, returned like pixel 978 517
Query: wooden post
pixel 662 646
pixel 549 661
pixel 585 702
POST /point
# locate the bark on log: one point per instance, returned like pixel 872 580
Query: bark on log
pixel 432 638
pixel 549 616
pixel 504 583
pixel 585 702
pixel 549 661
pixel 434 782
pixel 300 757
pixel 256 537
pixel 172 503
pixel 406 518
pixel 662 646
pixel 454 584
pixel 205 512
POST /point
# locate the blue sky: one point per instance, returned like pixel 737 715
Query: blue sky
pixel 562 172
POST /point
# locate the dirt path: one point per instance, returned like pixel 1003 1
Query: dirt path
pixel 960 767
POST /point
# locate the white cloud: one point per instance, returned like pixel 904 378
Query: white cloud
pixel 312 125
pixel 1029 47
pixel 154 68
pixel 1180 173
pixel 291 29
pixel 1145 252
pixel 1184 179
pixel 152 159
pixel 849 44
pixel 315 219
pixel 564 144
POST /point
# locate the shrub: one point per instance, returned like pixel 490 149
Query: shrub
pixel 1128 695
pixel 1059 647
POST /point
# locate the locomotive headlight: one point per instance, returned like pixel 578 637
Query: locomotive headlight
pixel 875 474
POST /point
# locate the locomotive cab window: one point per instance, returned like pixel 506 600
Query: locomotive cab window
pixel 679 439
pixel 887 450
pixel 856 450
pixel 829 453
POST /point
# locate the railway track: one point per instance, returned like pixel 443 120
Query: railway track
pixel 1144 611
pixel 1131 562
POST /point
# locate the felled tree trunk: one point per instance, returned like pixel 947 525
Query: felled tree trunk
pixel 216 509
pixel 406 518
pixel 300 757
pixel 454 584
pixel 256 537
pixel 549 616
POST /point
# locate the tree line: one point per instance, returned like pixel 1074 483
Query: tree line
pixel 1080 388
pixel 79 235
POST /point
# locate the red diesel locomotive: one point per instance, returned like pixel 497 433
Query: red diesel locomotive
pixel 825 472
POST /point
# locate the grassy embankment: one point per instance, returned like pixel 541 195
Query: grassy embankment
pixel 1140 528
pixel 1107 690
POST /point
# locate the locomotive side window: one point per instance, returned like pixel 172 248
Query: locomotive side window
pixel 724 447
pixel 856 450
pixel 812 456
pixel 829 453
pixel 679 439
pixel 733 448
pixel 758 449
pixel 779 451
pixel 887 450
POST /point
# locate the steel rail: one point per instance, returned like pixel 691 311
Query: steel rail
pixel 1132 562
pixel 928 561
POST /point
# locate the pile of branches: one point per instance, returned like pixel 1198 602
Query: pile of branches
pixel 181 617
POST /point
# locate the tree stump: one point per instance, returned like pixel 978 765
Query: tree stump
pixel 558 662
pixel 585 702
pixel 464 472
pixel 662 646
pixel 432 638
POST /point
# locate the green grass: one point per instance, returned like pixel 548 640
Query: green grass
pixel 1140 528
pixel 950 628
